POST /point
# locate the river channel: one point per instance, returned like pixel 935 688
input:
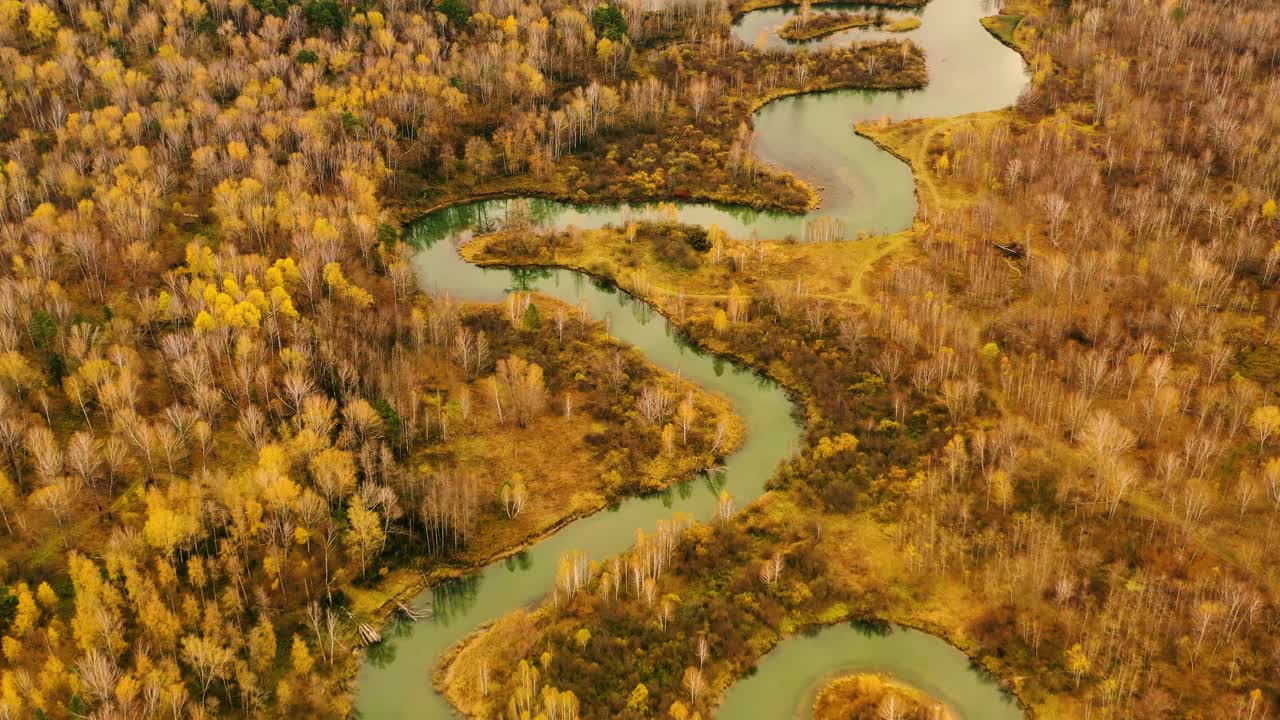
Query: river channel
pixel 866 189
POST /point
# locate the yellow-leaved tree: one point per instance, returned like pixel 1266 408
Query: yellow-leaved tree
pixel 365 535
pixel 42 23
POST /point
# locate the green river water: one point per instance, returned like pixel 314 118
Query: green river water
pixel 865 188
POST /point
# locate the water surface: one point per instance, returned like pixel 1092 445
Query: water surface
pixel 788 680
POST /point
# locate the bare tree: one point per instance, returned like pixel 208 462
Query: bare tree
pixel 654 404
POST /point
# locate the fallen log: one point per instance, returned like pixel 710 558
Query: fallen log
pixel 414 614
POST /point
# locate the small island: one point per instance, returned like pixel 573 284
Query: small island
pixel 868 696
pixel 807 26
pixel 904 24
pixel 811 27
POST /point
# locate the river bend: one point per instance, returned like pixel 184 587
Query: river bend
pixel 863 187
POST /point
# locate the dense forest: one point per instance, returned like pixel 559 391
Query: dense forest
pixel 228 412
pixel 1041 423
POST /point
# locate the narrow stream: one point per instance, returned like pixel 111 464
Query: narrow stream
pixel 865 188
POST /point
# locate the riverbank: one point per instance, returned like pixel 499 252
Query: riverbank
pixel 831 271
pixel 479 252
pixel 1004 28
pixel 567 478
pixel 745 469
pixel 806 198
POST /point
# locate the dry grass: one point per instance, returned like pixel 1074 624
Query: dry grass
pixel 830 270
pixel 906 24
pixel 1003 27
pixel 457 675
pixel 860 695
pixel 750 5
pixel 823 24
pixel 920 143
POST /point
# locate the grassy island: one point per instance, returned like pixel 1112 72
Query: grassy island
pixel 812 27
pixel 867 696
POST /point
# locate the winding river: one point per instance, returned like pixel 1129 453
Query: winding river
pixel 865 188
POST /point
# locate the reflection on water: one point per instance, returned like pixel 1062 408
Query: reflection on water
pixel 871 627
pixel 383 655
pixel 452 599
pixel 518 562
pixel 524 279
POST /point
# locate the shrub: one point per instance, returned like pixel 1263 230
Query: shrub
pixel 455 10
pixel 608 22
pixel 278 8
pixel 322 14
